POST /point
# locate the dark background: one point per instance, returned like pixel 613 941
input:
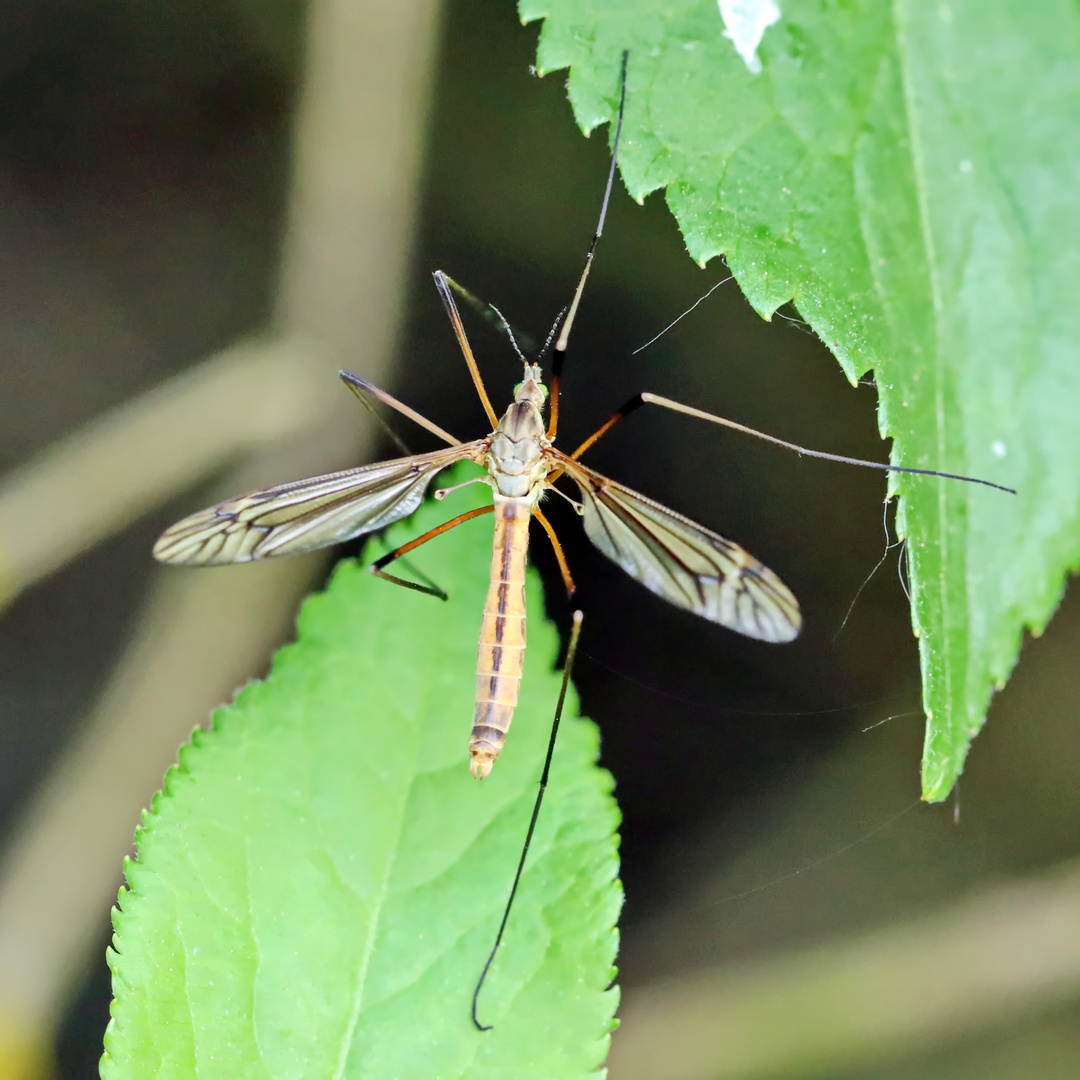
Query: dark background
pixel 144 156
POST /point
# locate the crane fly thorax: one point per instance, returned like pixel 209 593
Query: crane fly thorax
pixel 516 460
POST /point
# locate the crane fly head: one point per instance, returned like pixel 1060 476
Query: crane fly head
pixel 531 388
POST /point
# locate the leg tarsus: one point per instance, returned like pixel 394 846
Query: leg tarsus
pixel 432 589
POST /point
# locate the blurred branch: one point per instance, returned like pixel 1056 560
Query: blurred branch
pixel 357 152
pixel 344 254
pixel 99 479
pixel 846 1003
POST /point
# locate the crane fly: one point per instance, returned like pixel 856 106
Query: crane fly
pixel 685 563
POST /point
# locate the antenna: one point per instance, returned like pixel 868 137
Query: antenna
pixel 575 633
pixel 509 333
pixel 490 314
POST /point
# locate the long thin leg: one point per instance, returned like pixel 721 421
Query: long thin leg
pixel 632 405
pixel 493 315
pixel 455 318
pixel 575 633
pixel 377 567
pixel 362 388
pixel 564 336
pixel 560 557
pixel 638 400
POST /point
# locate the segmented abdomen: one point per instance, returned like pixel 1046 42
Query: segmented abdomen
pixel 502 635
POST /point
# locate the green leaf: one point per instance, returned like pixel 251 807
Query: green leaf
pixel 320 882
pixel 907 174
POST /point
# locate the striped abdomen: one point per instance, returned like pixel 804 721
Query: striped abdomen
pixel 502 635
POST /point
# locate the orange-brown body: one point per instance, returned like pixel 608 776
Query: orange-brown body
pixel 502 635
pixel 517 469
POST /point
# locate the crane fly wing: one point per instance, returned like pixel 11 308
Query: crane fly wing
pixel 306 514
pixel 688 565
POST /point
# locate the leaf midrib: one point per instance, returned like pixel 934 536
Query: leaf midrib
pixel 918 167
pixel 376 914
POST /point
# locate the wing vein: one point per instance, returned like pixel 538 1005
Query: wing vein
pixel 688 565
pixel 307 514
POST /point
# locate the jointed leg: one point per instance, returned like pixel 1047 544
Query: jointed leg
pixel 377 567
pixel 362 388
pixel 459 330
pixel 564 337
pixel 632 405
pixel 560 557
pixel 638 400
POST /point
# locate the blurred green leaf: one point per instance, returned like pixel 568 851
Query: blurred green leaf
pixel 907 174
pixel 319 883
